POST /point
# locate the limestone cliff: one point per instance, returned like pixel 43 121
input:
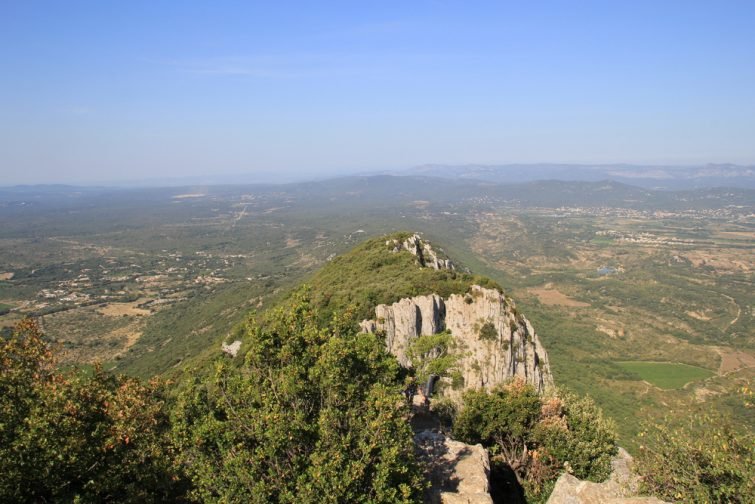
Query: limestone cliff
pixel 493 342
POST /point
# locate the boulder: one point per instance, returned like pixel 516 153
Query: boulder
pixel 231 349
pixel 620 488
pixel 458 472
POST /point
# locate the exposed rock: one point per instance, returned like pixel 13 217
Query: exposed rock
pixel 426 256
pixel 494 343
pixel 458 472
pixel 232 349
pixel 620 488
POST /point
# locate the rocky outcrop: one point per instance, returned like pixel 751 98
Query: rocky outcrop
pixel 231 349
pixel 426 256
pixel 458 472
pixel 620 488
pixel 493 342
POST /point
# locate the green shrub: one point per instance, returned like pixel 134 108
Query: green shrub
pixel 372 274
pixel 537 437
pixel 488 332
pixel 84 436
pixel 429 354
pixel 703 460
pixel 314 414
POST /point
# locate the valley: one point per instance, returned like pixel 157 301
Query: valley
pixel 151 280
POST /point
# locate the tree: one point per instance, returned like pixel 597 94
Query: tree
pixel 429 355
pixel 88 436
pixel 314 414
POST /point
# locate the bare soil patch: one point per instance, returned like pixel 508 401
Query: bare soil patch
pixel 8 275
pixel 121 309
pixel 732 360
pixel 553 297
pixel 292 242
pixel 698 315
pixel 722 260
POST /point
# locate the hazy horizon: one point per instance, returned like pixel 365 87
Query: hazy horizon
pixel 92 94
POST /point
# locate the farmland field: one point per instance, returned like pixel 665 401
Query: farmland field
pixel 666 375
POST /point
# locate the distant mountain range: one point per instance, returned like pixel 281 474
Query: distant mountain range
pixel 650 177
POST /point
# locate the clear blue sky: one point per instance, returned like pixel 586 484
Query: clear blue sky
pixel 98 91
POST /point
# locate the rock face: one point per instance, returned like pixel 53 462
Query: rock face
pixel 493 342
pixel 426 256
pixel 458 472
pixel 620 488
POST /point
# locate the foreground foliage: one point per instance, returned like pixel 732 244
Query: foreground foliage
pixel 314 414
pixel 705 459
pixel 75 436
pixel 537 437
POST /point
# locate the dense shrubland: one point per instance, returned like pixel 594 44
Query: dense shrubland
pixel 537 437
pixel 703 458
pixel 370 275
pixel 313 412
pixel 83 436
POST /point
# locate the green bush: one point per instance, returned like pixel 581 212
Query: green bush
pixel 372 274
pixel 703 460
pixel 429 354
pixel 537 437
pixel 314 414
pixel 79 436
pixel 488 332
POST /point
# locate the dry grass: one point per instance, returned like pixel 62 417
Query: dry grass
pixel 733 360
pixel 127 309
pixel 552 297
pixel 747 235
pixel 731 260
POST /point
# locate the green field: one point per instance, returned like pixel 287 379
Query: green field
pixel 666 375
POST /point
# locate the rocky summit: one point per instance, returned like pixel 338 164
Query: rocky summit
pixel 426 256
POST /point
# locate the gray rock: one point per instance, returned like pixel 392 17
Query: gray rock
pixel 426 256
pixel 620 488
pixel 514 350
pixel 458 472
pixel 231 349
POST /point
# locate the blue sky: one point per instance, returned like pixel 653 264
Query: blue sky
pixel 103 91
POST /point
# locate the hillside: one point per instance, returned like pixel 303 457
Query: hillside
pixel 370 274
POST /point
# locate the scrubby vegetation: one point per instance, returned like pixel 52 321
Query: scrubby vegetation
pixel 79 436
pixel 429 354
pixel 371 274
pixel 537 437
pixel 705 458
pixel 314 414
